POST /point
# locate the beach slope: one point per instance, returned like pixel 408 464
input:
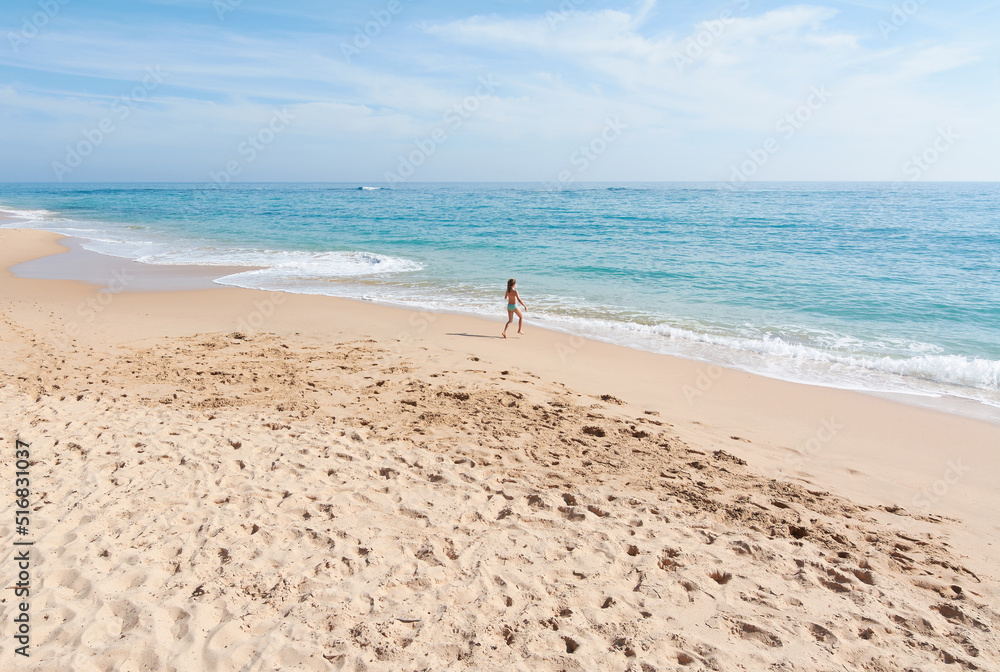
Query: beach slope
pixel 229 479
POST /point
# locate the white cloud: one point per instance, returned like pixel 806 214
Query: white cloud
pixel 690 110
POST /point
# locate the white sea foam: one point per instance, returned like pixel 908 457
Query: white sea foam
pixel 941 368
pixel 25 216
pixel 290 268
pixel 274 269
pixel 803 355
pixel 922 374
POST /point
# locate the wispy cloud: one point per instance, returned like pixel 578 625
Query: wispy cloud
pixel 691 110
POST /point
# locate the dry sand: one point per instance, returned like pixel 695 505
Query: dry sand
pixel 236 480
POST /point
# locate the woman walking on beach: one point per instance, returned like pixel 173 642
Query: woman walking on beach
pixel 513 298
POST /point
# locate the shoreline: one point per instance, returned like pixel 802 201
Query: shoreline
pixel 96 268
pixel 228 471
pixel 77 264
pixel 731 401
pixel 906 355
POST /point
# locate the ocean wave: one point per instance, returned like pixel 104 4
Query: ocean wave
pixel 369 188
pixel 30 215
pixel 957 370
pixel 73 229
pixel 287 269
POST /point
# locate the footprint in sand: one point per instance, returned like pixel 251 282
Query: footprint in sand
pixel 221 639
pixel 745 630
pixel 957 616
pixel 821 634
pixel 180 620
pixel 571 514
pixel 864 576
pixel 536 502
pixel 72 580
pixel 128 612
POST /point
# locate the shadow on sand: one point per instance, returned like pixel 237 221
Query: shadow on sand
pixel 453 333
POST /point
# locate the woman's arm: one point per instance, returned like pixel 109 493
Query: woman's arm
pixel 517 295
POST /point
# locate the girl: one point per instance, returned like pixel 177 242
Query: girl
pixel 513 298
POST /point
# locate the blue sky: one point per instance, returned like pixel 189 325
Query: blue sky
pixel 570 90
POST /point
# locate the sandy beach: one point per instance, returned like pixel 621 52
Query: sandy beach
pixel 230 479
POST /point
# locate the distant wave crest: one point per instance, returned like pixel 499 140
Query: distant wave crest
pixel 983 374
pixel 21 215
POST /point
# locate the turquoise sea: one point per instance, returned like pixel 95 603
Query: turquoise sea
pixel 878 286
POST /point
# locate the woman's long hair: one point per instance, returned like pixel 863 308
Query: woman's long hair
pixel 510 285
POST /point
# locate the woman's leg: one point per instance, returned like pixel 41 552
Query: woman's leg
pixel 520 320
pixel 510 318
